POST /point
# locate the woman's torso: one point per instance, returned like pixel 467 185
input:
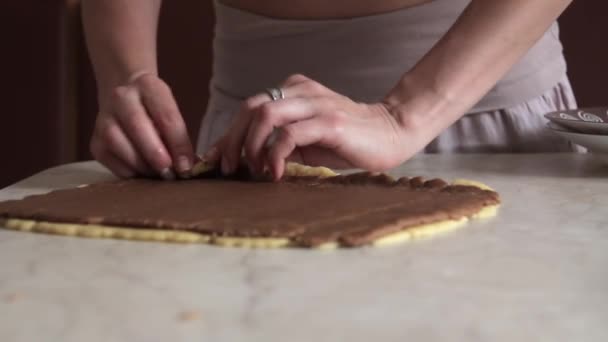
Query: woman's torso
pixel 349 49
pixel 360 55
pixel 320 9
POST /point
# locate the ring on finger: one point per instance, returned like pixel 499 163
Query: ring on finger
pixel 275 93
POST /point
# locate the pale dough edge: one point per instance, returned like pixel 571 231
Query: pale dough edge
pixel 429 230
pixel 291 169
pixel 180 236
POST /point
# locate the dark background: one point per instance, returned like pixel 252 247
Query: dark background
pixel 48 92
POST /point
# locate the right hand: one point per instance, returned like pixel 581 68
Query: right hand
pixel 140 131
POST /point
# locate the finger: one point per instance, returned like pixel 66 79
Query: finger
pixel 118 167
pixel 118 144
pixel 302 86
pixel 107 159
pixel 290 137
pixel 140 130
pixel 271 115
pixel 212 155
pixel 294 86
pixel 161 107
pixel 231 145
pixel 319 156
pixel 295 79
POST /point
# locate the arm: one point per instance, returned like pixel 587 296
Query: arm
pixel 121 38
pixel 488 38
pixel 139 129
pixel 320 127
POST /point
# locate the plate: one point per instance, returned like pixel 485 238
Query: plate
pixel 585 120
pixel 596 144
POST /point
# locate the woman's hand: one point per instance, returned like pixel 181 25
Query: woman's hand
pixel 315 126
pixel 140 131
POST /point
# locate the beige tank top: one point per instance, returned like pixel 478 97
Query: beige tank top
pixel 363 57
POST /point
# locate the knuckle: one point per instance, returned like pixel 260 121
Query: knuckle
pixel 288 134
pixel 249 105
pixel 295 78
pixel 164 87
pixel 266 113
pixel 106 131
pixel 167 118
pixel 315 87
pixel 156 86
pixel 180 148
pixel 144 79
pixel 133 122
pixel 100 133
pixel 413 122
pixel 328 104
pixel 122 92
pixel 335 122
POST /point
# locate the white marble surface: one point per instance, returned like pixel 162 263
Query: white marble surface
pixel 537 272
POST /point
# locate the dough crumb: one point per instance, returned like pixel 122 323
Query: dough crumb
pixel 189 315
pixel 13 297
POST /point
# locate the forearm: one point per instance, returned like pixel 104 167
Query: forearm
pixel 121 39
pixel 485 42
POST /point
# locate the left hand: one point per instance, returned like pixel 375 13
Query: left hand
pixel 315 126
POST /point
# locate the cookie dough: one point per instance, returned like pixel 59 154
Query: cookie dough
pixel 311 207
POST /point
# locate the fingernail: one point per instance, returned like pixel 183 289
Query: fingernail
pixel 183 164
pixel 167 174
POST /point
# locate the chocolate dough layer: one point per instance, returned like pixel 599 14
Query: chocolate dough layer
pixel 353 210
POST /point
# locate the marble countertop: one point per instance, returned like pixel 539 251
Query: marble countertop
pixel 536 272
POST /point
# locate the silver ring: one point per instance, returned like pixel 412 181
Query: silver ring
pixel 275 93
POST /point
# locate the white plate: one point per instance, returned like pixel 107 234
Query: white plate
pixel 596 144
pixel 586 120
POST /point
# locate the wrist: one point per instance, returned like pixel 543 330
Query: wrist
pixel 107 87
pixel 419 106
pixel 421 114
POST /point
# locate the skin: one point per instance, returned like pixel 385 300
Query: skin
pixel 320 9
pixel 140 131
